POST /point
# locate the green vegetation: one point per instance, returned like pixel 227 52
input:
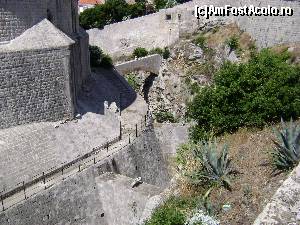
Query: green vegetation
pixel 286 154
pixel 140 52
pixel 165 53
pixel 133 81
pixel 160 4
pixel 98 58
pixel 205 164
pixel 216 167
pixel 251 94
pixel 200 41
pixel 164 116
pixel 233 43
pixel 112 11
pixel 173 211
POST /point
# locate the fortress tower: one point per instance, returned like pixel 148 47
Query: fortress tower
pixel 44 60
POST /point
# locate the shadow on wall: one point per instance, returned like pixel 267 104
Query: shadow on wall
pixel 147 85
pixel 105 87
pixel 143 158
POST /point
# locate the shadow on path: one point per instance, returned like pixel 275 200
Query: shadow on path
pixel 105 85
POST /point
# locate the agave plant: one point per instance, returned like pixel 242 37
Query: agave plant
pixel 215 166
pixel 286 154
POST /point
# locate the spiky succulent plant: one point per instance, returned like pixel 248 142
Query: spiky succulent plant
pixel 215 166
pixel 286 154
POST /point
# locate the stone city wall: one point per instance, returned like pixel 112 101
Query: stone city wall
pixel 149 63
pixel 34 86
pixel 165 27
pixel 76 200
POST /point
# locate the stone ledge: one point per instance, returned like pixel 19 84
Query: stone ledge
pixel 284 207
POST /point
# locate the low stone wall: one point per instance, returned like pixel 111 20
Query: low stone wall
pixel 149 63
pixel 284 207
pixel 165 27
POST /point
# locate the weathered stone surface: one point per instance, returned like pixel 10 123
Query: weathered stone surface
pixel 42 66
pixel 87 198
pixel 284 206
pixel 160 30
pixel 150 63
pixel 123 204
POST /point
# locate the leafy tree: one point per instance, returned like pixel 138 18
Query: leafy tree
pixel 113 11
pixel 116 10
pixel 160 4
pixel 94 17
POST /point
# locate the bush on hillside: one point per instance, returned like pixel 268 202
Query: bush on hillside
pixel 165 53
pixel 140 52
pixel 164 116
pixel 233 43
pixel 98 58
pixel 133 81
pixel 160 4
pixel 251 94
pixel 173 211
pixel 200 41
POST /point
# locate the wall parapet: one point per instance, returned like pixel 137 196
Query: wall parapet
pixel 149 63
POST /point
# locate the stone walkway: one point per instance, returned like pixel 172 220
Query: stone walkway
pixel 29 150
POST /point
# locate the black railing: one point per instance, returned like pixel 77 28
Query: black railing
pixel 48 178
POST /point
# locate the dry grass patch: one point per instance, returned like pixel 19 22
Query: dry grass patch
pixel 256 184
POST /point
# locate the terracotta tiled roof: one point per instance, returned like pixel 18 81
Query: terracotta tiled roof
pixel 90 2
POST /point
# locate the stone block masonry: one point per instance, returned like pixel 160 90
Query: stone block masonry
pixel 15 20
pixel 34 86
pixel 149 63
pixel 165 27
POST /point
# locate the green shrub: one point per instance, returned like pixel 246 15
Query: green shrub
pixel 98 58
pixel 160 4
pixel 106 61
pixel 165 53
pixel 156 51
pixel 286 154
pixel 166 216
pixel 140 52
pixel 233 43
pixel 133 81
pixel 251 94
pixel 95 55
pixel 200 41
pixel 164 116
pixel 216 167
pixel 173 211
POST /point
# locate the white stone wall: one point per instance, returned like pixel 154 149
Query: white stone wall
pixel 156 30
pixel 149 63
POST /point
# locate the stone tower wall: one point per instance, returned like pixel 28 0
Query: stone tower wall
pixel 18 15
pixel 31 81
pixel 34 86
